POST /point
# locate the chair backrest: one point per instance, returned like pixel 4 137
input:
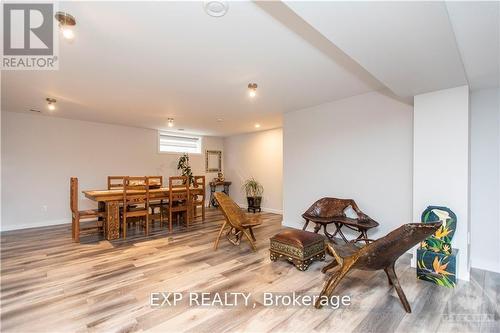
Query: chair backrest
pixel 156 181
pixel 233 213
pixel 199 181
pixel 330 207
pixel 389 248
pixel 115 182
pixel 135 191
pixel 73 194
pixel 178 187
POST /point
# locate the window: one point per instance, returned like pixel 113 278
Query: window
pixel 175 143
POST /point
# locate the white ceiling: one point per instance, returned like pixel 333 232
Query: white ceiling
pixel 138 63
pixel 409 46
pixel 477 30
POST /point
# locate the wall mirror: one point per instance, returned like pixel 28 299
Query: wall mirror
pixel 213 161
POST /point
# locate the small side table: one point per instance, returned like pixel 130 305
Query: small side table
pixel 213 187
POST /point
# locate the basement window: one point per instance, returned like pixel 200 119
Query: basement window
pixel 175 143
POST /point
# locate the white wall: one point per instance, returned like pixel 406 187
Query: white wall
pixel 359 148
pixel 258 155
pixel 41 153
pixel 441 160
pixel 485 185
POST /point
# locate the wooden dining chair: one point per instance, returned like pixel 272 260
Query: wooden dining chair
pixel 115 182
pixel 198 198
pixel 135 202
pixel 78 215
pixel 158 207
pixel 179 200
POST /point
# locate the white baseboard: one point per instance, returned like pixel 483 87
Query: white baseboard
pixel 27 225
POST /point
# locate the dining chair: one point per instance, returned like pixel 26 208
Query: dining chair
pixel 115 182
pixel 198 198
pixel 135 201
pixel 78 215
pixel 179 200
pixel 158 207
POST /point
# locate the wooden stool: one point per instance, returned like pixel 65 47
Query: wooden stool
pixel 298 246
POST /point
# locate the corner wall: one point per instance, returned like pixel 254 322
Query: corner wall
pixel 441 161
pixel 258 155
pixel 360 148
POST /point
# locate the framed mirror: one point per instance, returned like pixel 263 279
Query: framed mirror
pixel 213 161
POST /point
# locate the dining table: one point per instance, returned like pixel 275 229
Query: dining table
pixel 109 201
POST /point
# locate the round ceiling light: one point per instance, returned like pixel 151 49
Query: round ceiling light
pixel 66 23
pixel 216 8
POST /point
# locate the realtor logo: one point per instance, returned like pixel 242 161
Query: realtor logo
pixel 28 36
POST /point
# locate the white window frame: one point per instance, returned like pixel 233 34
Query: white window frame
pixel 183 135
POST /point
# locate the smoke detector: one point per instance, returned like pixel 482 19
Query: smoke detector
pixel 216 8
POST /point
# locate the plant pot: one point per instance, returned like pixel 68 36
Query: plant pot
pixel 254 203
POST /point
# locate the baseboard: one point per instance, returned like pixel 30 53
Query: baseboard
pixel 264 209
pixel 29 225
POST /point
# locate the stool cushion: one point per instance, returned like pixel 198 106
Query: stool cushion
pixel 298 238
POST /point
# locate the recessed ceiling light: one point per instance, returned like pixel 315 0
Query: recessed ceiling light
pixel 51 103
pixel 220 120
pixel 216 8
pixel 170 122
pixel 257 125
pixel 66 23
pixel 252 89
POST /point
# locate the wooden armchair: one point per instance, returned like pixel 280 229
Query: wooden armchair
pixel 379 254
pixel 332 211
pixel 239 224
pixel 198 198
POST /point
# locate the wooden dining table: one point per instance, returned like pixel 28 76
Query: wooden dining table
pixel 109 202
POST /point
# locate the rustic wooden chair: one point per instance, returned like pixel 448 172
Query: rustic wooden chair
pixel 379 254
pixel 157 206
pixel 237 221
pixel 115 182
pixel 135 201
pixel 78 215
pixel 198 199
pixel 178 200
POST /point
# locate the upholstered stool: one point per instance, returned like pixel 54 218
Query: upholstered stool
pixel 298 246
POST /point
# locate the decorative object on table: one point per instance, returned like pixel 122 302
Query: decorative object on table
pixel 220 177
pixel 185 168
pixel 213 161
pixel 213 188
pixel 253 190
pixel 340 212
pixel 376 255
pixel 237 223
pixel 297 246
pixel 436 259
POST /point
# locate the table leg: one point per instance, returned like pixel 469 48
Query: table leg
pixel 339 226
pixel 317 226
pixel 327 234
pixel 112 230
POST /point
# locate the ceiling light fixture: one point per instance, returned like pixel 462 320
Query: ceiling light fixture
pixel 252 89
pixel 257 125
pixel 51 103
pixel 216 8
pixel 66 24
pixel 170 122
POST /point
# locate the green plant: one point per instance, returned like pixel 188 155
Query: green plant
pixel 252 188
pixel 185 168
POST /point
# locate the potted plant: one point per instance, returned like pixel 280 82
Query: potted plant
pixel 185 168
pixel 254 191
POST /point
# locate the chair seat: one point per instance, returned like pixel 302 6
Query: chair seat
pixel 344 249
pixel 90 213
pixel 251 222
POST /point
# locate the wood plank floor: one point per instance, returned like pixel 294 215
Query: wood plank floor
pixel 50 284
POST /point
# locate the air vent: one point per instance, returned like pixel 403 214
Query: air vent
pixel 33 110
